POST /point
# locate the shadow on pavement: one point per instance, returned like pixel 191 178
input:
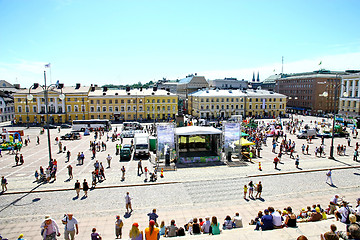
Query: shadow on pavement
pixel 13 203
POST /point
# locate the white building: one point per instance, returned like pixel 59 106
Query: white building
pixel 228 83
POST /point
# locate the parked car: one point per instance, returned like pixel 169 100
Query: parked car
pixel 65 126
pixel 131 147
pixel 306 133
pixel 125 153
pixel 71 136
pixel 324 134
pixel 51 126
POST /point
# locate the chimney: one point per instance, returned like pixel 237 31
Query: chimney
pixel 154 89
pixel 105 89
pixel 77 86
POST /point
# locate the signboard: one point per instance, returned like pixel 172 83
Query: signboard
pixel 231 133
pixel 165 139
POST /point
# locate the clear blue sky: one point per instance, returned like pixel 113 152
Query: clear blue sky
pixel 123 42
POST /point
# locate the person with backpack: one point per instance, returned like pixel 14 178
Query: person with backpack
pixel 49 229
pixel 343 213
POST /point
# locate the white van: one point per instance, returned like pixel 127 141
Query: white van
pixel 306 133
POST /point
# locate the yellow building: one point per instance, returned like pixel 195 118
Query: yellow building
pixel 64 105
pixel 212 104
pixel 134 104
pixel 75 103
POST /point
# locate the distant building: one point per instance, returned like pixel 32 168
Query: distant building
pixel 214 104
pixel 270 82
pixel 7 109
pixel 190 84
pixel 350 95
pixel 305 90
pixel 171 86
pixel 228 83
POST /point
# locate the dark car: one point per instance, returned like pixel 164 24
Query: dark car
pixel 125 153
pixel 65 125
pixel 129 146
pixel 71 136
pixel 51 126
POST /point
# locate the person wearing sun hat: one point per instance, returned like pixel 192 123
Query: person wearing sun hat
pixel 135 233
pixel 50 229
pixel 151 232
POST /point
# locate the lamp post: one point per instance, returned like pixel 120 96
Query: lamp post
pixel 46 89
pixel 336 99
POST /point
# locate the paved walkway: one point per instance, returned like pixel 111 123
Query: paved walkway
pixel 20 212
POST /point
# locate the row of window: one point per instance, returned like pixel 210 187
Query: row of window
pixel 7 109
pixel 104 101
pixel 122 108
pixel 237 99
pixel 257 106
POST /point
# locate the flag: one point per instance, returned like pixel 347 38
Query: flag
pixel 320 63
pixel 47 65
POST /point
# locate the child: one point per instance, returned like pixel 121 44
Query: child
pixel 36 175
pixel 146 173
pixel 245 191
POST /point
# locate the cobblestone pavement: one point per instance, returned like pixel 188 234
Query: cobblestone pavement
pixel 181 194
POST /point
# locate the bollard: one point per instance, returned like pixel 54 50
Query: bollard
pixel 162 173
pixel 260 166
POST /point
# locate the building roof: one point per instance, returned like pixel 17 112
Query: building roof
pixel 65 90
pixel 5 84
pixel 189 78
pixel 236 93
pixel 271 79
pixel 133 92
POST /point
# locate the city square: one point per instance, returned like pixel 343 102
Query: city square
pixel 190 191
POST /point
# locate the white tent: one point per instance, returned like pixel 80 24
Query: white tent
pixel 196 130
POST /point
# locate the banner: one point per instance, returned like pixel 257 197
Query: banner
pixel 231 133
pixel 263 103
pixel 165 139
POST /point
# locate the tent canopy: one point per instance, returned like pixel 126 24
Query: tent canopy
pixel 196 130
pixel 243 142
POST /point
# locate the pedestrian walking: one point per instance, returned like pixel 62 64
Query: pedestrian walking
pixel 60 147
pixel 123 173
pixel 71 226
pixel 349 141
pixel 77 188
pixel 37 140
pixel 251 189
pixel 108 158
pixel 128 202
pixel 303 149
pixel 68 154
pixel 259 190
pixel 17 159
pixel 355 155
pixel 36 175
pixel 140 168
pixel 21 159
pixel 85 187
pixel 146 173
pixel 118 227
pixel 307 149
pixel 329 176
pixel 3 184
pixel 245 191
pixel 94 235
pixel 49 229
pixel 297 161
pixel 70 169
pixel 276 161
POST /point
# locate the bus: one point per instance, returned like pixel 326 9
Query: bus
pixel 81 125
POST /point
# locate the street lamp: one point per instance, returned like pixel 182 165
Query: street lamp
pixel 46 89
pixel 326 94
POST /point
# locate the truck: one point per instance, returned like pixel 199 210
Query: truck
pixel 141 145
